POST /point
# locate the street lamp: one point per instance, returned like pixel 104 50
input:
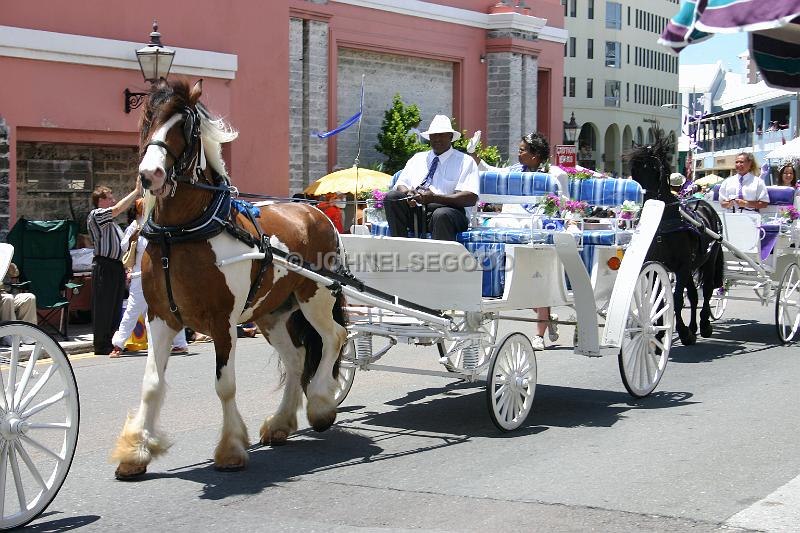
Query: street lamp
pixel 155 62
pixel 571 129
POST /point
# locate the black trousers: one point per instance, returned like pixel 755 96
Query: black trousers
pixel 443 221
pixel 108 291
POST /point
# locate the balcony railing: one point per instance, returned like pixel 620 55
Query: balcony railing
pixel 731 142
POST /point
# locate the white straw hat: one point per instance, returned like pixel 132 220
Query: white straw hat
pixel 441 124
pixel 676 179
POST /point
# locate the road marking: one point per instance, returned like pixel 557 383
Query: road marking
pixel 779 512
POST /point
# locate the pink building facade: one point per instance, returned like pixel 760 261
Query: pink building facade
pixel 278 71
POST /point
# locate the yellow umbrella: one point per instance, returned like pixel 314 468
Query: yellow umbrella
pixel 345 181
pixel 709 180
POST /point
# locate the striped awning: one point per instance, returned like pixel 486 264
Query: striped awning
pixel 774 27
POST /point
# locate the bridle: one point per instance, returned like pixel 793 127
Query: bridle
pixel 190 165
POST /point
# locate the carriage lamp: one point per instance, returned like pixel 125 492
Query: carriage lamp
pixel 155 61
pixel 571 129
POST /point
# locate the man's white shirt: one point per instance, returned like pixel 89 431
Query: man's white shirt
pixel 753 188
pixel 456 172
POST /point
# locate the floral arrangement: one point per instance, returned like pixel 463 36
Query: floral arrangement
pixel 575 174
pixel 552 205
pixel 629 210
pixel 576 206
pixel 791 214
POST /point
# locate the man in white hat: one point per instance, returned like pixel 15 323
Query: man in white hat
pixel 434 188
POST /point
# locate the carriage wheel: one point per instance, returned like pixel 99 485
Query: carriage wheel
pixel 787 304
pixel 718 301
pixel 40 412
pixel 718 304
pixel 347 372
pixel 467 355
pixel 511 382
pixel 648 332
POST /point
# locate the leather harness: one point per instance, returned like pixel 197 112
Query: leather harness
pixel 219 216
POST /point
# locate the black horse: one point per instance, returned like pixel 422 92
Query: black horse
pixel 682 247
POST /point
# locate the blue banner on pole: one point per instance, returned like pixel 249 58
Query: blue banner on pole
pixel 347 123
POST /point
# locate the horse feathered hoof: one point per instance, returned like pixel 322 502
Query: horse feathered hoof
pixel 129 471
pixel 706 330
pixel 274 438
pixel 230 468
pixel 321 423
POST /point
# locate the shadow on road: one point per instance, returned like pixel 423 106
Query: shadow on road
pixel 462 410
pixel 61 524
pixel 436 417
pixel 728 340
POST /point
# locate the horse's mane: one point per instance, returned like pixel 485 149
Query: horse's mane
pixel 166 99
pixel 652 159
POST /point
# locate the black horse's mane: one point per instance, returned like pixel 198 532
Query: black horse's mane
pixel 650 163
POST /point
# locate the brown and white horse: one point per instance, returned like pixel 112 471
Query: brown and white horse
pixel 182 166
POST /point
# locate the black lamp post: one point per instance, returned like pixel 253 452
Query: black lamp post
pixel 571 129
pixel 155 62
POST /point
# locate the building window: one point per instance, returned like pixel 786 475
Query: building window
pixel 612 93
pixel 572 46
pixel 564 3
pixel 572 87
pixel 590 48
pixel 590 14
pixel 565 86
pixel 614 15
pixel 589 88
pixel 573 11
pixel 613 53
pixel 627 92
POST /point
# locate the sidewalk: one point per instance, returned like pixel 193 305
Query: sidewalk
pixel 80 340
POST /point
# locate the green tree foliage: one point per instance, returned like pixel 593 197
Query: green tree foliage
pixel 394 141
pixel 398 145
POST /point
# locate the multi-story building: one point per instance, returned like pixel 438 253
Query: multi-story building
pixel 616 76
pixel 732 113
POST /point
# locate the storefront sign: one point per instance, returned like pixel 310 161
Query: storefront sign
pixel 566 155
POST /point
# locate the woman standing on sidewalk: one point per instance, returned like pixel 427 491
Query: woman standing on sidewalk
pixel 136 302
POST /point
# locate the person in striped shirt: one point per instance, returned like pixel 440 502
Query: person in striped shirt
pixel 108 275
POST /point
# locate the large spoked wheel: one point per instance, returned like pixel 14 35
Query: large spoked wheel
pixel 787 304
pixel 470 354
pixel 347 372
pixel 648 332
pixel 511 382
pixel 39 427
pixel 719 301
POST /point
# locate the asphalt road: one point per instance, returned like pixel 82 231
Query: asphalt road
pixel 714 447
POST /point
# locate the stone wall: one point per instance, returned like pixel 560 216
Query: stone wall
pixel 308 101
pixel 4 180
pixel 113 166
pixel 511 99
pixel 427 83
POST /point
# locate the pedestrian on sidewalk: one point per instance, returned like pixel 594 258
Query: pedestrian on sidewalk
pixel 133 242
pixel 108 275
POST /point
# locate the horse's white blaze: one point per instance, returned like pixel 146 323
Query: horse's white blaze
pixel 155 158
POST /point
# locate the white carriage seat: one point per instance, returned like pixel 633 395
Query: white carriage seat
pixel 743 231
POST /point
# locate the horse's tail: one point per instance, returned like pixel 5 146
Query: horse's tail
pixel 311 339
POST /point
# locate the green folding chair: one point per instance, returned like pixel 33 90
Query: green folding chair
pixel 41 252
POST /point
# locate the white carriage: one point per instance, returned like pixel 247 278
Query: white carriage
pixel 454 294
pixel 39 417
pixel 760 252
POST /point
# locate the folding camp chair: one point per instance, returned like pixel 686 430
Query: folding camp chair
pixel 41 252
